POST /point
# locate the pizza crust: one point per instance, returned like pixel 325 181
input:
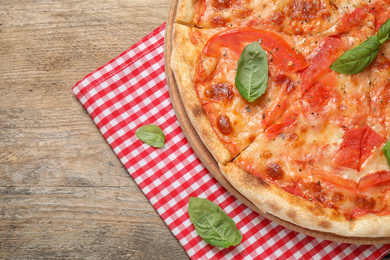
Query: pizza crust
pixel 183 63
pixel 185 12
pixel 270 199
pixel 371 226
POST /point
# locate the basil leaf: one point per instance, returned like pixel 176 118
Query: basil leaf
pixel 386 151
pixel 151 135
pixel 384 32
pixel 212 224
pixel 357 59
pixel 252 72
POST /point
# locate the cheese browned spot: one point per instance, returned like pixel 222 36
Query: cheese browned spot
pixel 219 21
pixel 274 171
pixel 277 19
pixel 220 5
pixel 365 202
pixel 242 12
pixel 221 91
pixel 303 9
pixel 284 80
pixel 338 197
pixel 224 125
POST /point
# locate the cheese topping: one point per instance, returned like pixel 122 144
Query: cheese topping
pixel 315 133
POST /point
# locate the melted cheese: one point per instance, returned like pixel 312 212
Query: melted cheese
pixel 292 135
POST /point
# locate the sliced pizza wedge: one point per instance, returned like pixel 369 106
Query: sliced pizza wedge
pixel 204 62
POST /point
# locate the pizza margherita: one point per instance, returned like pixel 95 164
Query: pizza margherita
pixel 292 98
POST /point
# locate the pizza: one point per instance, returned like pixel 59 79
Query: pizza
pixel 291 97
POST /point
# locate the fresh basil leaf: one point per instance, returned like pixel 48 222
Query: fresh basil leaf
pixel 357 59
pixel 384 32
pixel 252 72
pixel 386 151
pixel 212 224
pixel 151 135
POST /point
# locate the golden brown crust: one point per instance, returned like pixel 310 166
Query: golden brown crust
pixel 371 226
pixel 185 12
pixel 273 200
pixel 183 61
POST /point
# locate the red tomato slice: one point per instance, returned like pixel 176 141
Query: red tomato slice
pixel 336 180
pixel 369 141
pixel 271 116
pixel 377 178
pixel 381 11
pixel 356 147
pixel 381 19
pixel 349 152
pixel 354 19
pixel 327 52
pixel 282 52
pixel 319 95
pixel 285 121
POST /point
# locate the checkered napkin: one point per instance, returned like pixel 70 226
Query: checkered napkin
pixel 131 91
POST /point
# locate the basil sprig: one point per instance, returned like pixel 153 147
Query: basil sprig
pixel 212 224
pixel 384 32
pixel 357 59
pixel 386 151
pixel 151 135
pixel 252 72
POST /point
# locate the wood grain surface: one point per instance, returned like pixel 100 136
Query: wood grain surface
pixel 63 192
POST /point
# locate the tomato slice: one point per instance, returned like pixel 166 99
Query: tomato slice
pixel 319 95
pixel 354 19
pixel 377 178
pixel 349 152
pixel 284 122
pixel 357 146
pixel 381 11
pixel 271 116
pixel 369 141
pixel 339 181
pixel 283 54
pixel 327 52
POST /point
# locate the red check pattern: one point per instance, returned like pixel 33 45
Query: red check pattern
pixel 131 91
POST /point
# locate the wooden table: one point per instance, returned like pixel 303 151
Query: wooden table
pixel 63 192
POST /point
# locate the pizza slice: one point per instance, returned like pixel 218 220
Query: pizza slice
pixel 187 46
pixel 205 62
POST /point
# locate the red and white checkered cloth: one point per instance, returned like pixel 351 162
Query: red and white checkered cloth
pixel 131 91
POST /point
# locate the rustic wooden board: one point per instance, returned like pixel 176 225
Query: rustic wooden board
pixel 64 194
pixel 212 165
